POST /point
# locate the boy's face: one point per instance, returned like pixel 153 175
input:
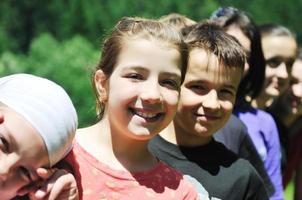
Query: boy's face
pixel 22 151
pixel 207 96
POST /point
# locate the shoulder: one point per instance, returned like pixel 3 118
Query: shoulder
pixel 265 116
pixel 170 176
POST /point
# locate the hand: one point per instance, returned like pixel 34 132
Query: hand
pixel 57 184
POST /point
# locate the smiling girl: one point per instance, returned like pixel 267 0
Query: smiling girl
pixel 137 84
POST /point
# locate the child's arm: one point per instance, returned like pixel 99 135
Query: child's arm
pixel 56 184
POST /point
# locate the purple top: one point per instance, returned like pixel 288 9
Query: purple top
pixel 264 134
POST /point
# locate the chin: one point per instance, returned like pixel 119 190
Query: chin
pixel 203 132
pixel 142 135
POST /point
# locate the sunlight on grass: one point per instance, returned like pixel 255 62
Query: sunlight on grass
pixel 289 191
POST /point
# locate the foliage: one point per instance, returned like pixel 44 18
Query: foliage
pixel 68 63
pixel 22 21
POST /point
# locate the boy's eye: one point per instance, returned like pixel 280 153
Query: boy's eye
pixel 25 173
pixel 135 76
pixel 4 144
pixel 197 88
pixel 170 84
pixel 227 92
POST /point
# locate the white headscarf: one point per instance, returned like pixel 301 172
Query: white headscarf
pixel 46 106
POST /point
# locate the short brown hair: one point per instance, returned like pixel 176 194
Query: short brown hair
pixel 176 20
pixel 212 38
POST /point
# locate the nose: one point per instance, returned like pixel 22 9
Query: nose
pixel 211 100
pixel 151 93
pixel 281 71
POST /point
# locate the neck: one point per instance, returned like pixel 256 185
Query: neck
pixel 176 135
pixel 278 110
pixel 263 101
pixel 119 151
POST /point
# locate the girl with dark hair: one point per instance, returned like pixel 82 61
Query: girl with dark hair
pixel 280 50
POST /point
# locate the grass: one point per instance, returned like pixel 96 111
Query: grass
pixel 289 191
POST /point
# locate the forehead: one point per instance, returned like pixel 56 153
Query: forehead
pixel 150 54
pixel 297 70
pixel 24 139
pixel 240 36
pixel 205 66
pixel 279 46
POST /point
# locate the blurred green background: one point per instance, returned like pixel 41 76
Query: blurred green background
pixel 61 39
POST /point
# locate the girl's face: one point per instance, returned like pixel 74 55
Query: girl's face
pixel 279 53
pixel 22 151
pixel 143 90
pixel 292 98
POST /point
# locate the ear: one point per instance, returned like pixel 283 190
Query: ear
pixel 100 81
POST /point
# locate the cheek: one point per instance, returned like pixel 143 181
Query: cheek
pixel 171 97
pixel 269 72
pixel 11 186
pixel 120 97
pixel 189 98
pixel 227 106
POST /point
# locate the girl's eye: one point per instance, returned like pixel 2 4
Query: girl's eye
pixel 4 144
pixel 171 84
pixel 135 76
pixel 273 63
pixel 25 173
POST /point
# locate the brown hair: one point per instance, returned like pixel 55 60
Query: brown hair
pixel 211 37
pixel 177 21
pixel 275 30
pixel 133 28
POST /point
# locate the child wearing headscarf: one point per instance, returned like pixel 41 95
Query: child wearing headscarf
pixel 37 126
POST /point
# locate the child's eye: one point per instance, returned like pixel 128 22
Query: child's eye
pixel 170 84
pixel 198 88
pixel 135 76
pixel 4 145
pixel 273 63
pixel 227 93
pixel 25 173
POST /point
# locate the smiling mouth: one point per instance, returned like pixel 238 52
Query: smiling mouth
pixel 207 117
pixel 148 116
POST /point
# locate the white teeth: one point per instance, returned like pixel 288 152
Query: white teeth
pixel 145 115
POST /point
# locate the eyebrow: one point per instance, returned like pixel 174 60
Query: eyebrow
pixel 136 67
pixel 230 87
pixel 141 68
pixel 172 74
pixel 206 82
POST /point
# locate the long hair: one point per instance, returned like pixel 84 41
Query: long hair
pixel 252 83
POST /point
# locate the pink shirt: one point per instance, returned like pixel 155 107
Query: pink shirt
pixel 98 181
